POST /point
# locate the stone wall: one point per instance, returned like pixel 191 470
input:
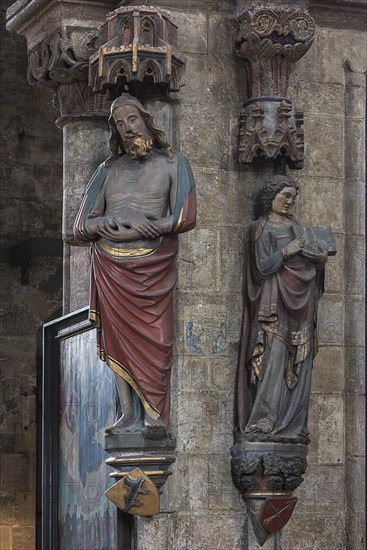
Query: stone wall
pixel 204 509
pixel 201 509
pixel 31 195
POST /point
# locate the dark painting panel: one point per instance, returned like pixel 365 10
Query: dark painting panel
pixel 79 402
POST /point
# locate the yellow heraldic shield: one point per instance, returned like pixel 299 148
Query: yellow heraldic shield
pixel 135 494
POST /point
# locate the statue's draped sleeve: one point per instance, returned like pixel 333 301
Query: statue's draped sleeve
pixel 184 209
pixel 92 204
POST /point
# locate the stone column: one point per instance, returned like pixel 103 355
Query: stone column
pixel 354 197
pixel 85 139
pixel 61 37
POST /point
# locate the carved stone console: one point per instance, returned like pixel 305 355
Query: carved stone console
pixel 270 41
pixel 141 464
pixel 266 474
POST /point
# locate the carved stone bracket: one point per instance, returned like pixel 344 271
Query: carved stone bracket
pixel 138 54
pixel 266 474
pixel 271 41
pixel 152 456
pixel 271 128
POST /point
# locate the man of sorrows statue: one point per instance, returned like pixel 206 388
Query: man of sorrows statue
pixel 134 206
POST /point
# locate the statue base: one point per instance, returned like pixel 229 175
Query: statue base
pixel 266 474
pixel 152 458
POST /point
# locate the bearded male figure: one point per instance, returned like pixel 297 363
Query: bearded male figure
pixel 134 205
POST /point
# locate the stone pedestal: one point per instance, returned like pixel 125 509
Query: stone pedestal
pixel 266 474
pixel 141 465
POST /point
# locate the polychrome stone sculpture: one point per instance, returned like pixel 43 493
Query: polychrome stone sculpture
pixel 134 206
pixel 284 282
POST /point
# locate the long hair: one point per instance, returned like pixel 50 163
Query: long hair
pixel 116 145
pixel 264 198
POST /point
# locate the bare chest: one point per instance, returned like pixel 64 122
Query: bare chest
pixel 144 180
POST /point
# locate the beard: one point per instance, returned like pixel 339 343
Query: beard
pixel 139 147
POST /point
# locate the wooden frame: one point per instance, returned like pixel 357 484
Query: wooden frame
pixel 67 333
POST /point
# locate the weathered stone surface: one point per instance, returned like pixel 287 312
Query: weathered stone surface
pixel 330 429
pixel 313 531
pixel 354 193
pixel 209 423
pixel 355 265
pixel 334 276
pixel 25 437
pixel 328 192
pixel 193 34
pixel 209 529
pixel 197 262
pixel 355 419
pixel 322 488
pixel 23 538
pixel 318 97
pixel 354 133
pixel 15 472
pixel 331 320
pixel 220 191
pixel 153 532
pixel 79 277
pixel 354 95
pixel 355 372
pixel 356 498
pixel 5 537
pixel 328 371
pixel 327 137
pixel 188 118
pixel 355 322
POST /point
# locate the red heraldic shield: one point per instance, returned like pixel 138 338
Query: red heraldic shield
pixel 276 512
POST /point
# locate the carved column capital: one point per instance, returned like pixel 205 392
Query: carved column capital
pixel 271 41
pixel 61 61
pixel 61 37
pixel 62 57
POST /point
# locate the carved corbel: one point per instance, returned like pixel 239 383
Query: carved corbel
pixel 270 41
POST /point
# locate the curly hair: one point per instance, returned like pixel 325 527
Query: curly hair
pixel 264 198
pixel 116 145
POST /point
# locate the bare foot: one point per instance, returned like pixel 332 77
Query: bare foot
pixel 125 421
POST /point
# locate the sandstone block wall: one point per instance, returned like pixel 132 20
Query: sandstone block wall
pixel 201 509
pixel 204 510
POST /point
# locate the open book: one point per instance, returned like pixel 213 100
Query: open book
pixel 318 239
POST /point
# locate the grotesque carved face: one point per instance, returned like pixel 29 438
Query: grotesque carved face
pixel 284 201
pixel 134 133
